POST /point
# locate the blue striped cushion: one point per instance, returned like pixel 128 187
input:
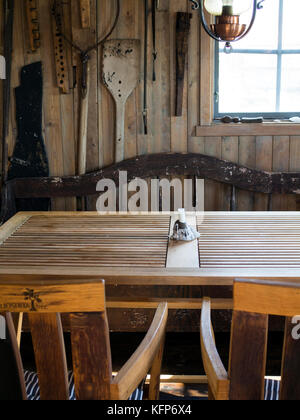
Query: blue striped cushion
pixel 137 394
pixel 272 390
pixel 33 390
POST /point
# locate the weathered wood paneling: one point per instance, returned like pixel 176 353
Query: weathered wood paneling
pixel 166 132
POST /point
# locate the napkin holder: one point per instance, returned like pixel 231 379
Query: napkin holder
pixel 182 232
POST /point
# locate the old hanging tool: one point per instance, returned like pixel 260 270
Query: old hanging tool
pixel 145 105
pixel 6 195
pixel 85 80
pixel 182 34
pixel 85 13
pixel 154 6
pixel 33 25
pixel 236 120
pixel 8 46
pixel 121 74
pixel 62 74
pixel 29 158
pixel 84 113
pixel 154 54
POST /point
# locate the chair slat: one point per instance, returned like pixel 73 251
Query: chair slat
pixel 91 356
pixel 267 297
pixel 248 356
pixel 290 384
pixel 53 297
pixel 50 356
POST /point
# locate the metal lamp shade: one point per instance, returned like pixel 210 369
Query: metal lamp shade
pixel 227 27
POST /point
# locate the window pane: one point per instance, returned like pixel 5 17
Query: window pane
pixel 291 12
pixel 290 85
pixel 247 83
pixel 264 33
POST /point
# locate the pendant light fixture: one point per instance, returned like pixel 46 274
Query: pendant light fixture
pixel 227 27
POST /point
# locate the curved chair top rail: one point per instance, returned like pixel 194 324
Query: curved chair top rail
pixel 160 165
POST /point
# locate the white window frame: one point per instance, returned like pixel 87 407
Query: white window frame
pixel 208 126
pixel 279 52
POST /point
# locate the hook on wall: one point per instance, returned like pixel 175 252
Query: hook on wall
pixel 195 5
pixel 260 5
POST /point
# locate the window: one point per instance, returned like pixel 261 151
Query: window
pixel 261 77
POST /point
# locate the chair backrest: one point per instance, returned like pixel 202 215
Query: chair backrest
pixel 91 355
pixel 254 301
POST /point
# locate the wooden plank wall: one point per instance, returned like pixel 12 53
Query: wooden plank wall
pixel 166 132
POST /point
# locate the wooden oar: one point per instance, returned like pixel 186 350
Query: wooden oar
pixel 84 113
pixel 121 74
pixel 182 34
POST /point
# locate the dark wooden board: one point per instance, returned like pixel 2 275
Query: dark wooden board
pixel 183 26
pixel 29 158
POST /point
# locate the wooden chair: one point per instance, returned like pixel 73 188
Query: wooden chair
pixel 254 301
pixel 91 355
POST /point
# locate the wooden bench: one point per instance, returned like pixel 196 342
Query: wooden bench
pixel 153 166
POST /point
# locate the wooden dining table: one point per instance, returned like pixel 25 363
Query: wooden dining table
pixel 136 250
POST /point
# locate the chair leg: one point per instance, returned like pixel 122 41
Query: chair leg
pixel 210 394
pixel 154 387
pixel 146 392
pixel 18 323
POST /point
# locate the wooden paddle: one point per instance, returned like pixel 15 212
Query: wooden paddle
pixel 121 74
pixel 183 26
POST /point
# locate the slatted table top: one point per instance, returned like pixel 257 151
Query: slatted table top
pixel 88 242
pixel 135 249
pixel 236 240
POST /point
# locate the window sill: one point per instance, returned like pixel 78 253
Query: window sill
pixel 281 128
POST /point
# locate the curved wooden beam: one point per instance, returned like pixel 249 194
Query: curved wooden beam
pixel 160 165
